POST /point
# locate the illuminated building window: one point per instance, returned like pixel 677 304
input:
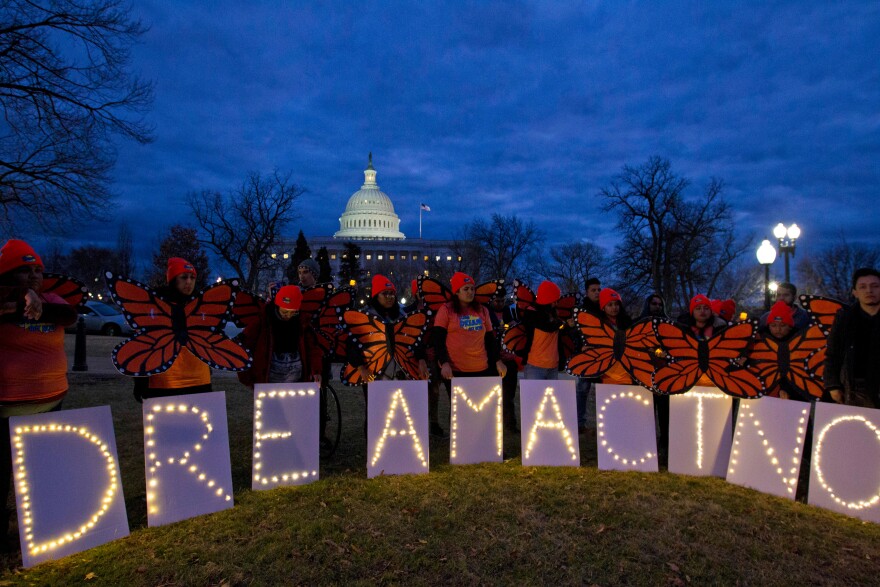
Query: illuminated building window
pixel 369 256
pixel 449 257
pixel 556 423
pixel 379 257
pixel 332 256
pixel 390 257
pixel 21 475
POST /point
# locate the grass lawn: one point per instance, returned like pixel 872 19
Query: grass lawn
pixel 500 523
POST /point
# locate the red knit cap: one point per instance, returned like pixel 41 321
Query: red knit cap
pixel 780 311
pixel 15 254
pixel 699 300
pixel 289 297
pixel 726 309
pixel 176 266
pixel 380 284
pixel 608 295
pixel 460 279
pixel 548 292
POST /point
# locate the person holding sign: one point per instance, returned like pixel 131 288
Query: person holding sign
pixel 279 345
pixel 463 338
pixel 33 364
pixel 543 327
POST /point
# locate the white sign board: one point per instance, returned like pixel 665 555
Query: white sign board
pixel 286 434
pixel 186 453
pixel 700 432
pixel 548 420
pixel 845 466
pixel 397 428
pixel 68 491
pixel 768 445
pixel 626 438
pixel 477 432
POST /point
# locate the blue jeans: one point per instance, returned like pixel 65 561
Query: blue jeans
pixel 532 372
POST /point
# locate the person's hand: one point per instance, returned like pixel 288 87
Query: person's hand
pixel 783 394
pixel 366 374
pixel 424 373
pixel 570 322
pixel 446 370
pixel 501 367
pixel 33 305
pixel 836 395
pixel 317 379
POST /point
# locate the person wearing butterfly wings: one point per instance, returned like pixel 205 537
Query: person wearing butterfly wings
pixel 701 319
pixel 33 364
pixel 278 343
pixel 543 326
pixel 465 343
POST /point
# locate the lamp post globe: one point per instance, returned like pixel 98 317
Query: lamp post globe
pixel 766 254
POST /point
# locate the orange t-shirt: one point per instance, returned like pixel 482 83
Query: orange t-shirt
pixel 545 349
pixel 465 338
pixel 186 371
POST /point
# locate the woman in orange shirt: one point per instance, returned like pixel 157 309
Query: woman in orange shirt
pixel 463 337
pixel 543 326
pixel 33 364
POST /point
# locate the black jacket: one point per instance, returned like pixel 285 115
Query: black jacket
pixel 840 356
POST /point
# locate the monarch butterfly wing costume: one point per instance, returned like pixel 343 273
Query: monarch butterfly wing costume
pixel 485 291
pixel 640 353
pixel 806 352
pixel 433 293
pixel 598 355
pixel 525 297
pixel 312 301
pixel 765 362
pixel 680 366
pixel 369 334
pixel 408 334
pixel 248 309
pixel 514 339
pixel 331 335
pixel 566 306
pixel 822 310
pixel 725 350
pixel 71 290
pixel 162 329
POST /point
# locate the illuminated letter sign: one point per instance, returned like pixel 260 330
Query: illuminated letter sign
pixel 548 412
pixel 67 486
pixel 700 432
pixel 768 445
pixel 476 434
pixel 397 423
pixel 286 434
pixel 186 450
pixel 626 435
pixel 845 468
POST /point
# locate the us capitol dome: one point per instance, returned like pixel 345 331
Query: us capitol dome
pixel 369 214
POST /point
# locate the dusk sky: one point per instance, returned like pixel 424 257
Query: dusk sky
pixel 516 107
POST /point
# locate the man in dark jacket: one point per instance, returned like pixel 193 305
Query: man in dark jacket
pixel 852 360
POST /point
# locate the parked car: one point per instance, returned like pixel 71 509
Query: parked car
pixel 104 319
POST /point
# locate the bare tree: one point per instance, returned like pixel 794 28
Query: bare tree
pixel 672 245
pixel 571 264
pixel 244 225
pixel 829 272
pixel 502 243
pixel 124 251
pixel 180 241
pixel 65 93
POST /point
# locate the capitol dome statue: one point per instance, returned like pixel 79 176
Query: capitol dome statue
pixel 369 214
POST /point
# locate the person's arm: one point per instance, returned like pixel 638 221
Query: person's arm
pixel 834 356
pixel 57 311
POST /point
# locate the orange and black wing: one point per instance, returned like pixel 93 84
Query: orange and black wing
pixel 71 290
pixel 726 361
pixel 764 361
pixel 641 353
pixel 525 297
pixel 155 344
pixel 312 301
pixel 566 306
pixel 806 356
pixel 248 308
pixel 680 365
pixel 408 334
pixel 434 293
pixel 331 335
pixel 205 316
pixel 486 291
pixel 515 338
pixel 822 310
pixel 597 354
pixel 369 335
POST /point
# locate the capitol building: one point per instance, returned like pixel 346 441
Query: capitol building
pixel 370 222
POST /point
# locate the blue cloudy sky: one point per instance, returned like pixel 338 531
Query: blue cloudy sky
pixel 516 107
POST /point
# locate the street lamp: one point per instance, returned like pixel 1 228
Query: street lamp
pixel 766 256
pixel 787 238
